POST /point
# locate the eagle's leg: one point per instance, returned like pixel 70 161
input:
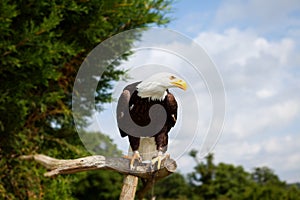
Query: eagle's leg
pixel 134 144
pixel 160 156
pixel 135 156
pixel 161 140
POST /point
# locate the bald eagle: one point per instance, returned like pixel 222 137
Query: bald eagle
pixel 134 105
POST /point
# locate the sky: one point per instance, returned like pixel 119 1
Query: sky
pixel 254 46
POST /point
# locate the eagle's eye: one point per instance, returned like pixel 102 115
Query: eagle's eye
pixel 172 77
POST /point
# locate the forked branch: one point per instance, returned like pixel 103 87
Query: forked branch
pixel 98 162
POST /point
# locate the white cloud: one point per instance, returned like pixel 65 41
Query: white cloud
pixel 265 93
pixel 263 15
pixel 262 100
pixel 245 61
pixel 277 145
pixel 260 119
pixel 279 152
pixel 239 47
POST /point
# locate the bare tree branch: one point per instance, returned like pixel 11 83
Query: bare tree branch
pixel 98 162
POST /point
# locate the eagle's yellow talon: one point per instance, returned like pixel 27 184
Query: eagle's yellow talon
pixel 135 156
pixel 158 159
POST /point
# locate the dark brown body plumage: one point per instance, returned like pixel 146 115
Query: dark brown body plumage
pixel 139 113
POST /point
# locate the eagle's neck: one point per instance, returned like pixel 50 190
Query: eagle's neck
pixel 153 96
pixel 151 91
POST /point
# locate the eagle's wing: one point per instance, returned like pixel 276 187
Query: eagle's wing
pixel 123 106
pixel 171 109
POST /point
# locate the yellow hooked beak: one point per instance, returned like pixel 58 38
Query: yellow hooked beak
pixel 180 84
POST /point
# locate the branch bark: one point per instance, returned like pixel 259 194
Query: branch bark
pixel 98 162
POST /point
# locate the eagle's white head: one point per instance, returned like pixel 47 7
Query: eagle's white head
pixel 156 85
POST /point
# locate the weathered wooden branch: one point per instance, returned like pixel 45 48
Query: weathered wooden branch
pixel 98 162
pixel 145 171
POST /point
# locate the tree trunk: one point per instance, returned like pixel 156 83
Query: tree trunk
pixel 147 150
pixel 129 187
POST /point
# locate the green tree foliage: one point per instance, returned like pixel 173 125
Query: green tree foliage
pixel 42 45
pixel 172 187
pixel 268 184
pixel 226 181
pixel 99 184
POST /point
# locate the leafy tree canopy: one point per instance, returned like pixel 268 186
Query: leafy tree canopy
pixel 226 181
pixel 42 45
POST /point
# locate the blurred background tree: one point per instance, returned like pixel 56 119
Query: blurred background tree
pixel 226 181
pixel 172 187
pixel 42 45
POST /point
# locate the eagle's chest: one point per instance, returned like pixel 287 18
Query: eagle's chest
pixel 139 110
